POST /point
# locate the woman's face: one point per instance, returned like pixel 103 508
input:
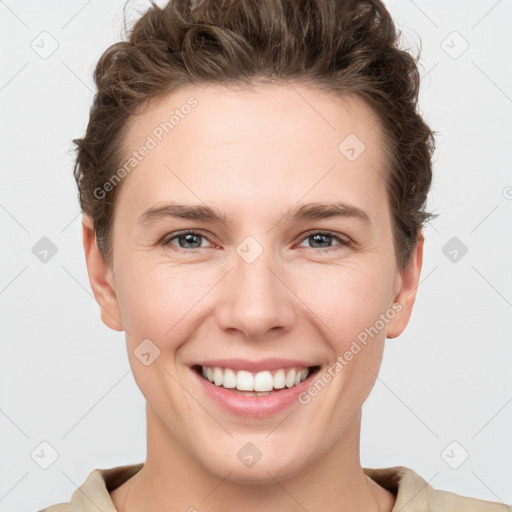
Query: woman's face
pixel 277 282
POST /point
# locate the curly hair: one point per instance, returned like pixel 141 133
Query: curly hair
pixel 340 46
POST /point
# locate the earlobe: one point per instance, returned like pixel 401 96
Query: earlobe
pixel 100 278
pixel 406 295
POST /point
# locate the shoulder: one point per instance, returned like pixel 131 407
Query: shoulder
pixel 94 493
pixel 415 494
pixel 449 501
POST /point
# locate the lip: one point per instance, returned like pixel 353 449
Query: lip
pixel 256 366
pixel 253 406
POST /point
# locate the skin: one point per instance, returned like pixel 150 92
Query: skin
pixel 253 154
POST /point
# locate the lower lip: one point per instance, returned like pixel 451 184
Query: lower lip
pixel 253 406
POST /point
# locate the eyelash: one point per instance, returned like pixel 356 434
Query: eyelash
pixel 343 242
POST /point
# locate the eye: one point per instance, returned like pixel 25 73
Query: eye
pixel 187 240
pixel 323 237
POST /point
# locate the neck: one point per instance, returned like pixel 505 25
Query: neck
pixel 173 480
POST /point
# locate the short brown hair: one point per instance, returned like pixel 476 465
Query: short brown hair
pixel 340 46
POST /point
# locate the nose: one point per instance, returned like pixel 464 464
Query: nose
pixel 257 299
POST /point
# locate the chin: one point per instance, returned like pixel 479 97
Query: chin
pixel 263 472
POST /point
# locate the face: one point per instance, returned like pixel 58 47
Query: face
pixel 227 254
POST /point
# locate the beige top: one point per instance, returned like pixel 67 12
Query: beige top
pixel 413 494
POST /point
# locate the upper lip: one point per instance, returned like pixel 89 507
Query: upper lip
pixel 255 366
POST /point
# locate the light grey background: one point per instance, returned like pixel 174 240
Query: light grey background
pixel 65 377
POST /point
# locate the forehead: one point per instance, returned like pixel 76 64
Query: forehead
pixel 273 142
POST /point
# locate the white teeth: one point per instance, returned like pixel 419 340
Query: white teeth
pixel 263 381
pixel 244 381
pixel 217 376
pixel 290 379
pixel 279 379
pixel 259 383
pixel 229 380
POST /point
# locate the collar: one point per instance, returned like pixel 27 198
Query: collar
pixel 411 491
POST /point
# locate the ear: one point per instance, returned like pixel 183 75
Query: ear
pixel 100 278
pixel 408 285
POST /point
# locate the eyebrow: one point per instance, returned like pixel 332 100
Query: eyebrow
pixel 308 211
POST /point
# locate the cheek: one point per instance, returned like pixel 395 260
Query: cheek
pixel 348 300
pixel 159 301
pixel 166 303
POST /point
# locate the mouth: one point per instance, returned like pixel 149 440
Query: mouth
pixel 255 384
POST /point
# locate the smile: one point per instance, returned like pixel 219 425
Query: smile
pixel 254 383
pixel 253 389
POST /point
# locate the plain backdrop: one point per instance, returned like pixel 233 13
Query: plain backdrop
pixel 442 404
